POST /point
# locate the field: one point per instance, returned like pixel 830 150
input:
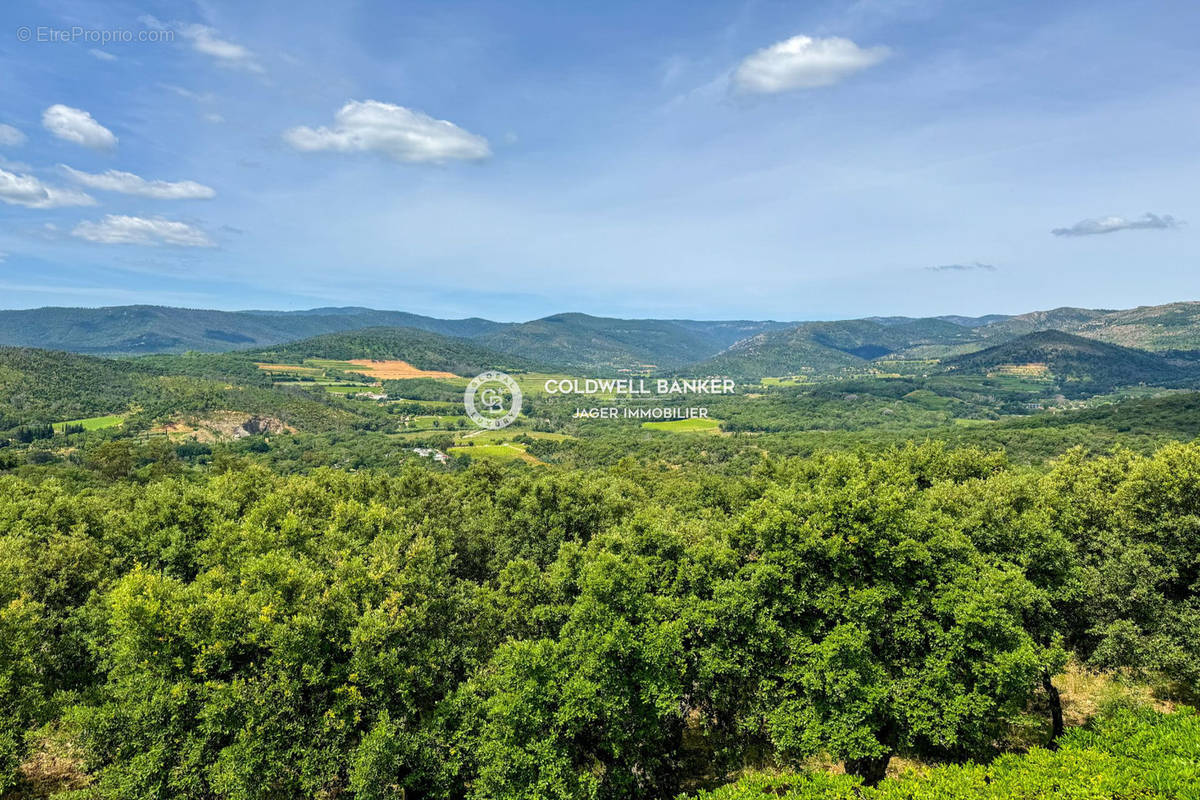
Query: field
pixel 431 404
pixel 331 386
pixel 695 425
pixel 93 423
pixel 502 452
pixel 481 436
pixel 291 369
pixel 1023 370
pixel 331 373
pixel 431 422
pixel 392 370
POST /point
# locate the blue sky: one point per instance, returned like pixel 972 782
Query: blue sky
pixel 510 160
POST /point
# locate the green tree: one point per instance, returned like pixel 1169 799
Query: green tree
pixel 894 634
pixel 22 690
pixel 113 459
pixel 1135 524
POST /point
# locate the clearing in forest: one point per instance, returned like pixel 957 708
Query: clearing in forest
pixel 1032 370
pixel 504 452
pixel 92 423
pixel 395 370
pixel 693 425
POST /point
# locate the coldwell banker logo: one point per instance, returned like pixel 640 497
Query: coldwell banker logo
pixel 493 400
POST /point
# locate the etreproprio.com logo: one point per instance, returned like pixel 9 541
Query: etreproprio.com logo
pixel 485 400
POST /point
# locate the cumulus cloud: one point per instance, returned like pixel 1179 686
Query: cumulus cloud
pixel 395 131
pixel 803 62
pixel 10 136
pixel 120 229
pixel 102 55
pixel 1091 227
pixel 128 183
pixel 28 191
pixel 972 267
pixel 208 41
pixel 77 126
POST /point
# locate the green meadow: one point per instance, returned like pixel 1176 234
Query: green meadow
pixel 695 425
pixel 92 423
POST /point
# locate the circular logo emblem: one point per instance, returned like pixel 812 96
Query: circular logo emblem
pixel 486 397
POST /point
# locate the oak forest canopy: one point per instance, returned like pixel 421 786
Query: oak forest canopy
pixel 724 400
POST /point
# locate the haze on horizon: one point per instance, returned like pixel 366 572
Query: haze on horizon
pixel 711 161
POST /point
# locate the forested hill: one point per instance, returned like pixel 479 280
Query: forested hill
pixel 584 342
pixel 823 349
pixel 581 342
pixel 826 347
pixel 421 349
pixel 157 329
pixel 1174 326
pixel 40 385
pixel 1085 365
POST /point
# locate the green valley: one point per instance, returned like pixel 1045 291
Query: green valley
pixel 918 560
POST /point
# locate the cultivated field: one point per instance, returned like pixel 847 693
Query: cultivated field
pixel 93 423
pixel 697 425
pixel 394 370
pixel 503 452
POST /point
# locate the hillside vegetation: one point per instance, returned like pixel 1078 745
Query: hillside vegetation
pixel 1081 366
pixel 1174 326
pixel 824 348
pixel 602 635
pixel 586 343
pixel 1125 754
pixel 422 349
pixel 41 387
pixel 44 386
pixel 583 342
pixel 134 330
pixel 224 582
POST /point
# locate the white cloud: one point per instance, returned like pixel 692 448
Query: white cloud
pixel 214 118
pixel 119 229
pixel 28 191
pixel 10 136
pixel 395 131
pixel 803 62
pixel 77 126
pixel 188 93
pixel 205 40
pixel 1098 225
pixel 128 183
pixel 102 55
pixel 14 166
pixel 971 267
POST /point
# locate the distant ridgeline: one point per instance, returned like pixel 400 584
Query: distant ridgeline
pixel 594 345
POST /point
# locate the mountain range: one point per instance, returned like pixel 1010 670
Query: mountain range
pixel 586 343
pixel 136 330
